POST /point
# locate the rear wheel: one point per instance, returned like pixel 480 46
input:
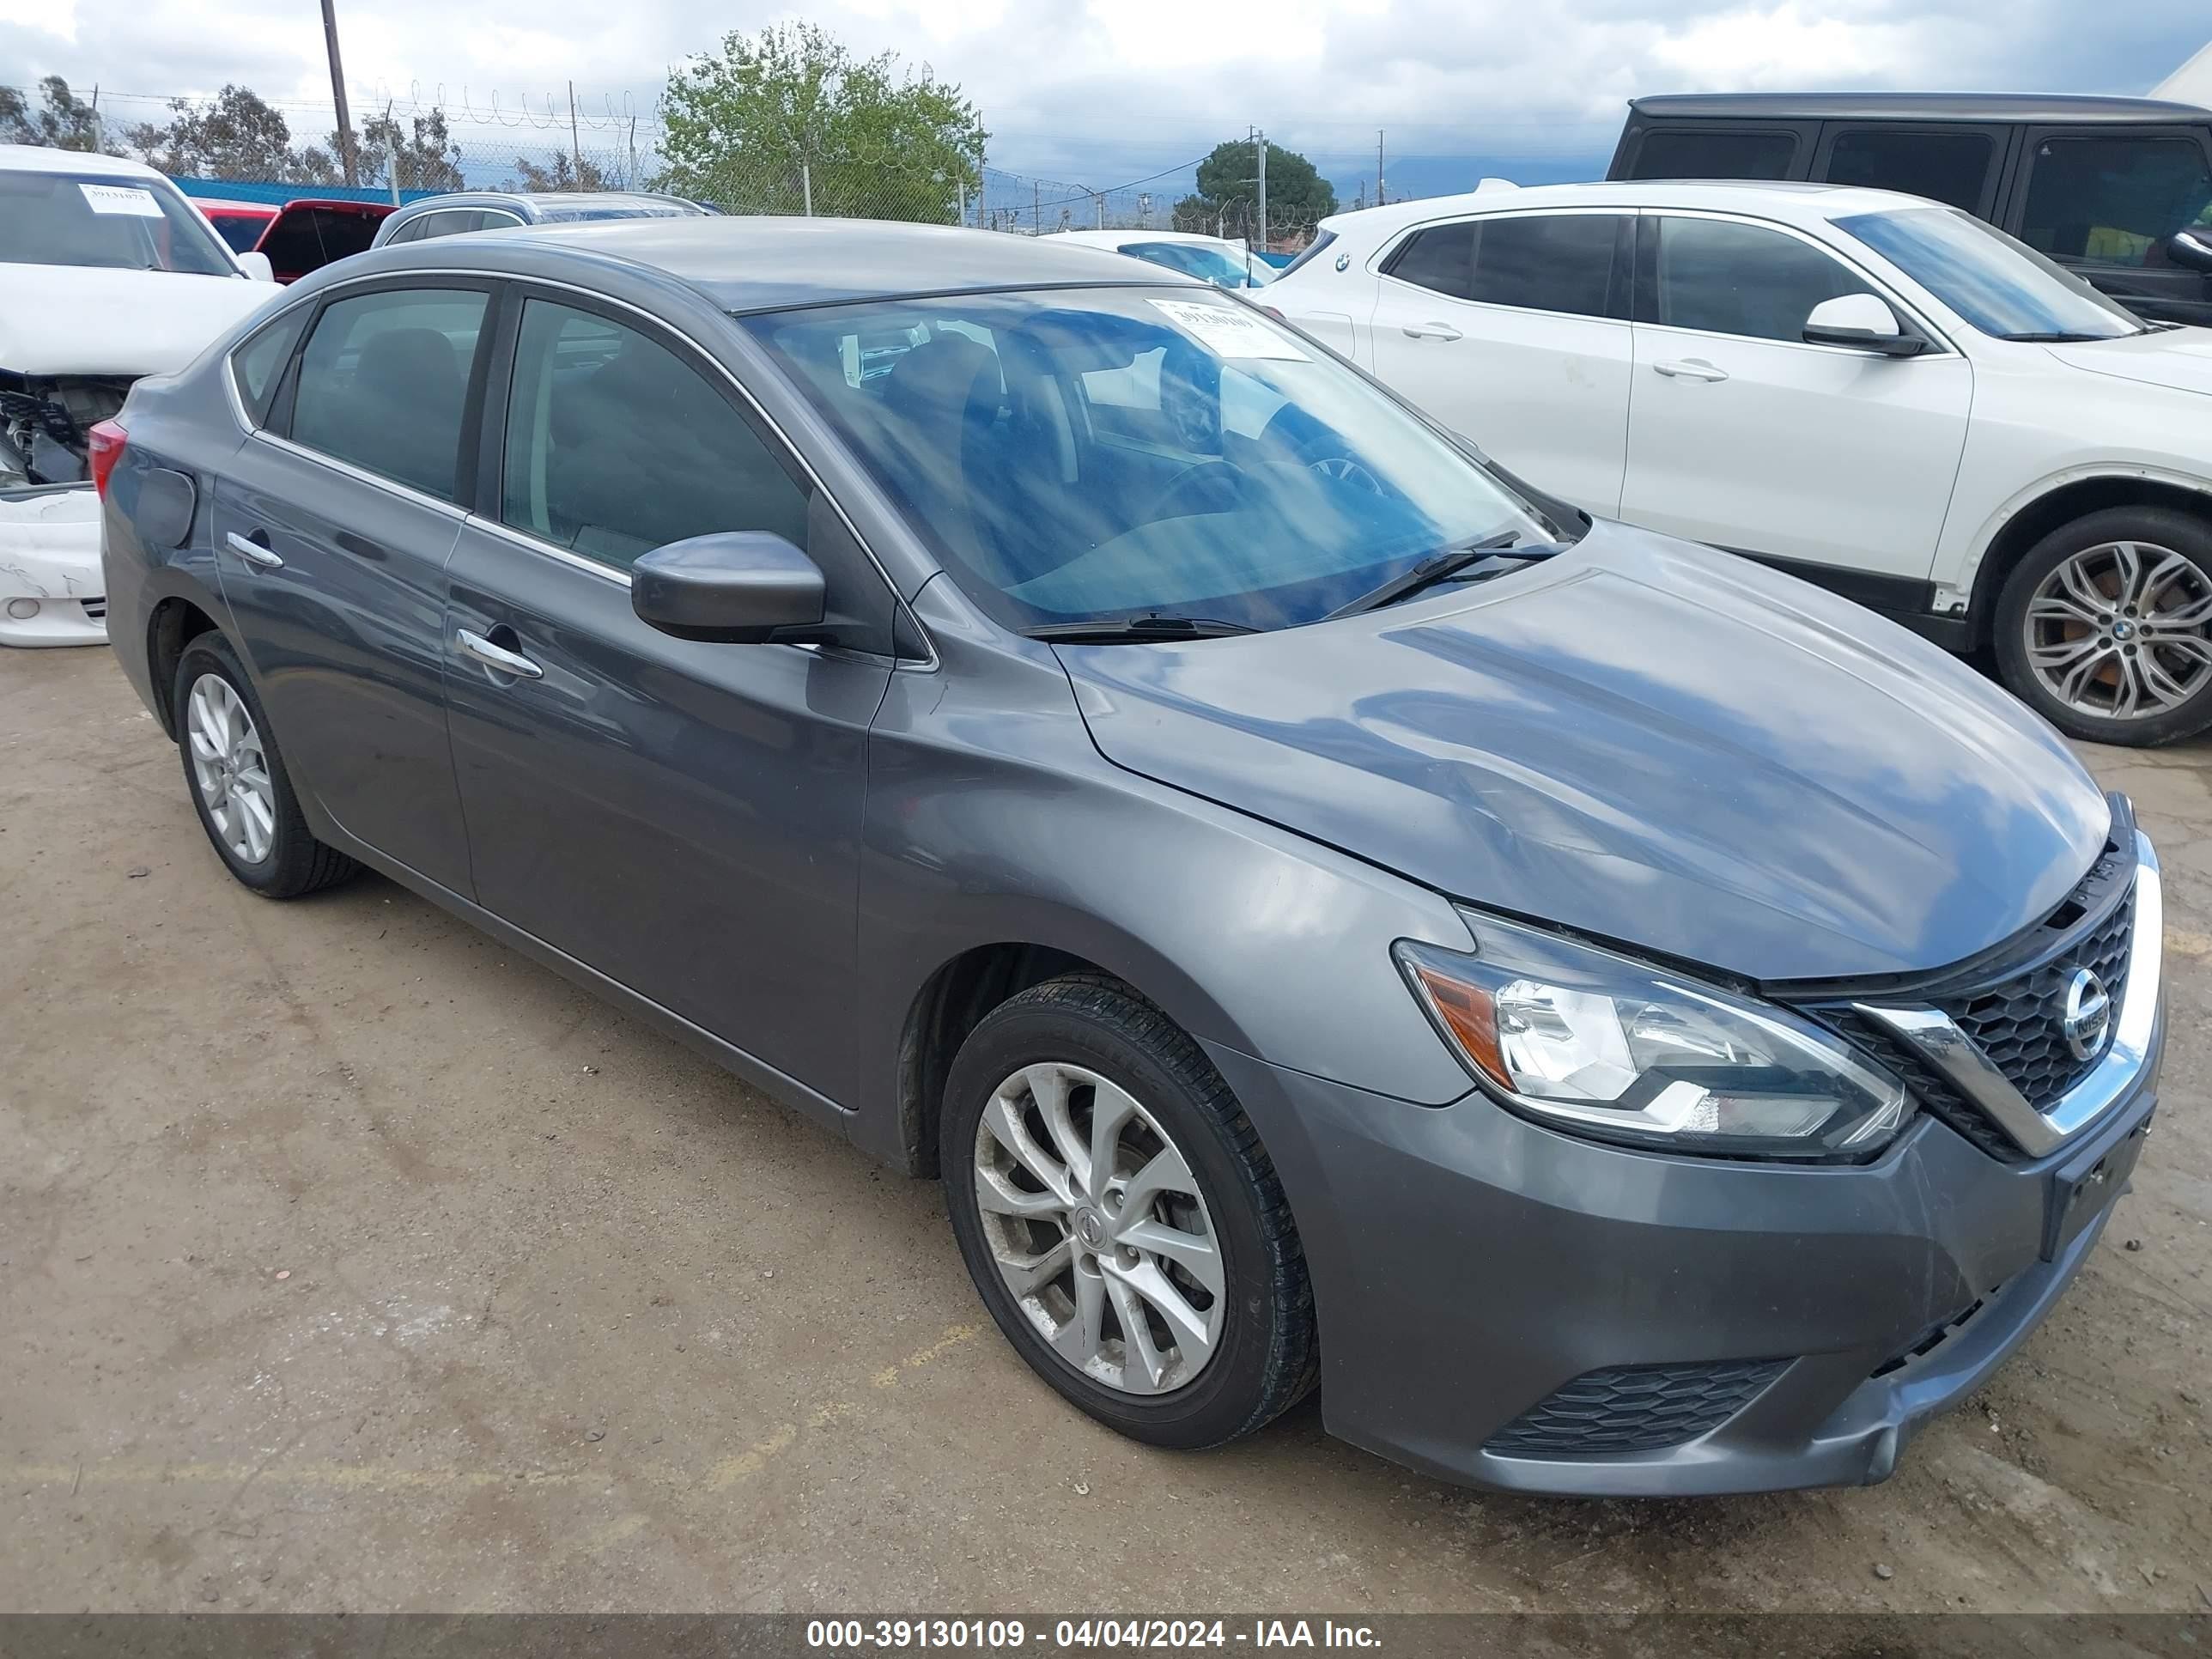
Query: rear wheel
pixel 1121 1219
pixel 237 778
pixel 2106 627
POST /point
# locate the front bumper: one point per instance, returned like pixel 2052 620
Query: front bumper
pixel 50 567
pixel 1468 1266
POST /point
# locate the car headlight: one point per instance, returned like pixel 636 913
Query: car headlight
pixel 1585 1041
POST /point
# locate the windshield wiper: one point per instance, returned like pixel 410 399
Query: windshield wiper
pixel 1112 630
pixel 1443 565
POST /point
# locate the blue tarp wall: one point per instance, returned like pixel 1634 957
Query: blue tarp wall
pixel 234 190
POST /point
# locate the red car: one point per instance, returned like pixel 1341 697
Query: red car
pixel 301 236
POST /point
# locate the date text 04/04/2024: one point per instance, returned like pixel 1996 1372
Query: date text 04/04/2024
pixel 1008 1634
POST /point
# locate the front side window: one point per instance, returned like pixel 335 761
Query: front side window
pixel 110 222
pixel 1076 456
pixel 2114 201
pixel 1944 167
pixel 1723 277
pixel 1999 286
pixel 255 365
pixel 616 446
pixel 1666 153
pixel 383 383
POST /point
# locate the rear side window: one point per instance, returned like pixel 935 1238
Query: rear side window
pixel 1666 153
pixel 616 446
pixel 448 222
pixel 1546 261
pixel 1729 278
pixel 258 362
pixel 383 381
pixel 2114 201
pixel 1951 168
pixel 1441 259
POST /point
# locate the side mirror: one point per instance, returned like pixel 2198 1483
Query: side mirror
pixel 2191 247
pixel 1864 321
pixel 257 266
pixel 737 587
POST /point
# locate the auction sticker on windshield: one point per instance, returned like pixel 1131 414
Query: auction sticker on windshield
pixel 1228 332
pixel 127 199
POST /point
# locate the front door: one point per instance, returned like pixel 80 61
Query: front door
pixel 682 816
pixel 1512 331
pixel 1743 435
pixel 331 530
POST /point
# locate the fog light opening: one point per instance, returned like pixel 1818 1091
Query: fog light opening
pixel 22 609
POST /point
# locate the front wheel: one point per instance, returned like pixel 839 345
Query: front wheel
pixel 1121 1220
pixel 2105 629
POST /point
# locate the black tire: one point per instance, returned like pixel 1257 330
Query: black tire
pixel 296 862
pixel 1265 1357
pixel 2155 527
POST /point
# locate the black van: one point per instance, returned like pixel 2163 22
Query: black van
pixel 2100 184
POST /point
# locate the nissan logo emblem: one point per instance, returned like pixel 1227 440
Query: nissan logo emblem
pixel 2088 1019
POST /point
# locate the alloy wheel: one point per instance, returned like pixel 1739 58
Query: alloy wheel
pixel 1099 1229
pixel 2121 630
pixel 229 770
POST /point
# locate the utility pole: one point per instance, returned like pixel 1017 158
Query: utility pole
pixel 392 130
pixel 1036 208
pixel 1260 139
pixel 337 95
pixel 575 148
pixel 1379 196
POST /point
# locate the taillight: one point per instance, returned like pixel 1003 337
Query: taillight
pixel 103 448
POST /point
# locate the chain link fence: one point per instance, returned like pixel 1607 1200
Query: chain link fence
pixel 402 148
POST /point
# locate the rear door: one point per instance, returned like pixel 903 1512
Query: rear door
pixel 1743 435
pixel 1512 329
pixel 682 816
pixel 2104 203
pixel 332 528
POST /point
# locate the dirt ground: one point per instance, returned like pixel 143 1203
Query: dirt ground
pixel 348 1262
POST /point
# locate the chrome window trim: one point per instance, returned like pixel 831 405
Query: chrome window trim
pixel 247 424
pixel 468 515
pixel 361 474
pixel 1934 1034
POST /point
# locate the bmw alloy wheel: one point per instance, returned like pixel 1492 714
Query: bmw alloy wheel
pixel 229 769
pixel 2121 630
pixel 1096 1226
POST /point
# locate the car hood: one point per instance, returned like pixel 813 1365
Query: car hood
pixel 83 320
pixel 1643 740
pixel 2178 358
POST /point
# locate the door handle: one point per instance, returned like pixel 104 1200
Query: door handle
pixel 254 552
pixel 497 656
pixel 1431 332
pixel 1690 369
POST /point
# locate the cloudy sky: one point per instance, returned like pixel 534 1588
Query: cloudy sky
pixel 1099 92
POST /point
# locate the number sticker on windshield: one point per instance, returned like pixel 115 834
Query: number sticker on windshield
pixel 1228 332
pixel 126 200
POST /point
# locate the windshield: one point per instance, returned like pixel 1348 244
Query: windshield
pixel 2000 286
pixel 1222 266
pixel 1080 456
pixel 121 223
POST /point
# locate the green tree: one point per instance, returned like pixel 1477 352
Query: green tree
pixel 1229 192
pixel 788 117
pixel 565 174
pixel 62 121
pixel 422 152
pixel 236 136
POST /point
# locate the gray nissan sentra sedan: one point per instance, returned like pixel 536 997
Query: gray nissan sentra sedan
pixel 1616 1019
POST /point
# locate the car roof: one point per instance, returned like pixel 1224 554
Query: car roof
pixel 1785 200
pixel 763 263
pixel 38 158
pixel 561 200
pixel 2060 107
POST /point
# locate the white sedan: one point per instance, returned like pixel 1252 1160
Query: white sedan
pixel 107 273
pixel 1881 394
pixel 1211 258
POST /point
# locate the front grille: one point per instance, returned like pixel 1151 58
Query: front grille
pixel 2016 1024
pixel 1929 1086
pixel 1630 1408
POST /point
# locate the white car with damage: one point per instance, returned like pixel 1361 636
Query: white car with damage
pixel 107 273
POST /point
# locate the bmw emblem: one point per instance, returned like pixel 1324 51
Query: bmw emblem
pixel 1344 262
pixel 2086 1020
